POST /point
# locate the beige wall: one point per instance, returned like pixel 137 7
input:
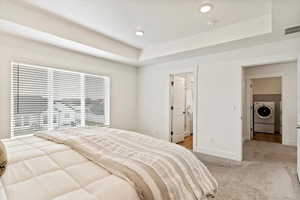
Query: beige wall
pixel 267 85
pixel 123 77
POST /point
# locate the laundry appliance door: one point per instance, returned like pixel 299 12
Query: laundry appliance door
pixel 264 112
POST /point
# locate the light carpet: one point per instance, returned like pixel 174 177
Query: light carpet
pixel 268 173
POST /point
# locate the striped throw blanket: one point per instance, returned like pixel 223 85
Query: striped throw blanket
pixel 159 170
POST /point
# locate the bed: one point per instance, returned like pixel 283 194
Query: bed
pixel 68 164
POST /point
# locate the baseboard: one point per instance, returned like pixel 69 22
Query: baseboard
pixel 290 142
pixel 219 153
pixel 245 140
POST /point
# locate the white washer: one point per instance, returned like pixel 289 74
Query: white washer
pixel 264 117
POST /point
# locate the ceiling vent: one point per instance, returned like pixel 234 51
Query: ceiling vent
pixel 292 30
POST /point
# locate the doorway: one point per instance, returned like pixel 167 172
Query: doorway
pixel 267 109
pixel 182 98
pixel 273 101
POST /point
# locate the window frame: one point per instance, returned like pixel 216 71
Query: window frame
pixel 107 95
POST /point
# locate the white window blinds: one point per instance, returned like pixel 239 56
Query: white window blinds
pixel 47 98
pixel 66 99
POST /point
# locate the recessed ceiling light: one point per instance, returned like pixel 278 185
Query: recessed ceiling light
pixel 205 8
pixel 139 33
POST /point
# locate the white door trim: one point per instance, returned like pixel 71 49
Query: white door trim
pixel 195 102
pixel 249 107
pixel 298 100
pixel 298 117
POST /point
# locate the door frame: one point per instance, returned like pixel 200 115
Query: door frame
pixel 249 107
pixel 298 101
pixel 195 100
pixel 249 80
pixel 265 61
pixel 298 117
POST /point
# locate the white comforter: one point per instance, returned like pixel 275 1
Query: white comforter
pixel 42 170
pixel 159 170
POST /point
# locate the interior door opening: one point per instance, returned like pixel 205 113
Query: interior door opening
pixel 267 109
pixel 182 109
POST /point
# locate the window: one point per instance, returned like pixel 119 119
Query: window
pixel 54 119
pixel 45 119
pixel 26 120
pixel 94 100
pixel 46 98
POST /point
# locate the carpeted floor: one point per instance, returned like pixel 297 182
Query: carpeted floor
pixel 268 173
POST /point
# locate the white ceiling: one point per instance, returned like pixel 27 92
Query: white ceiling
pixel 174 29
pixel 162 20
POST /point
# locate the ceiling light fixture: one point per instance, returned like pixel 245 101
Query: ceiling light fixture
pixel 205 8
pixel 139 33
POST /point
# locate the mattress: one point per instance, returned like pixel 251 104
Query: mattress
pixel 42 170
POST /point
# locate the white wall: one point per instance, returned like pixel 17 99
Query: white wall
pixel 267 85
pixel 219 125
pixel 288 71
pixel 123 77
